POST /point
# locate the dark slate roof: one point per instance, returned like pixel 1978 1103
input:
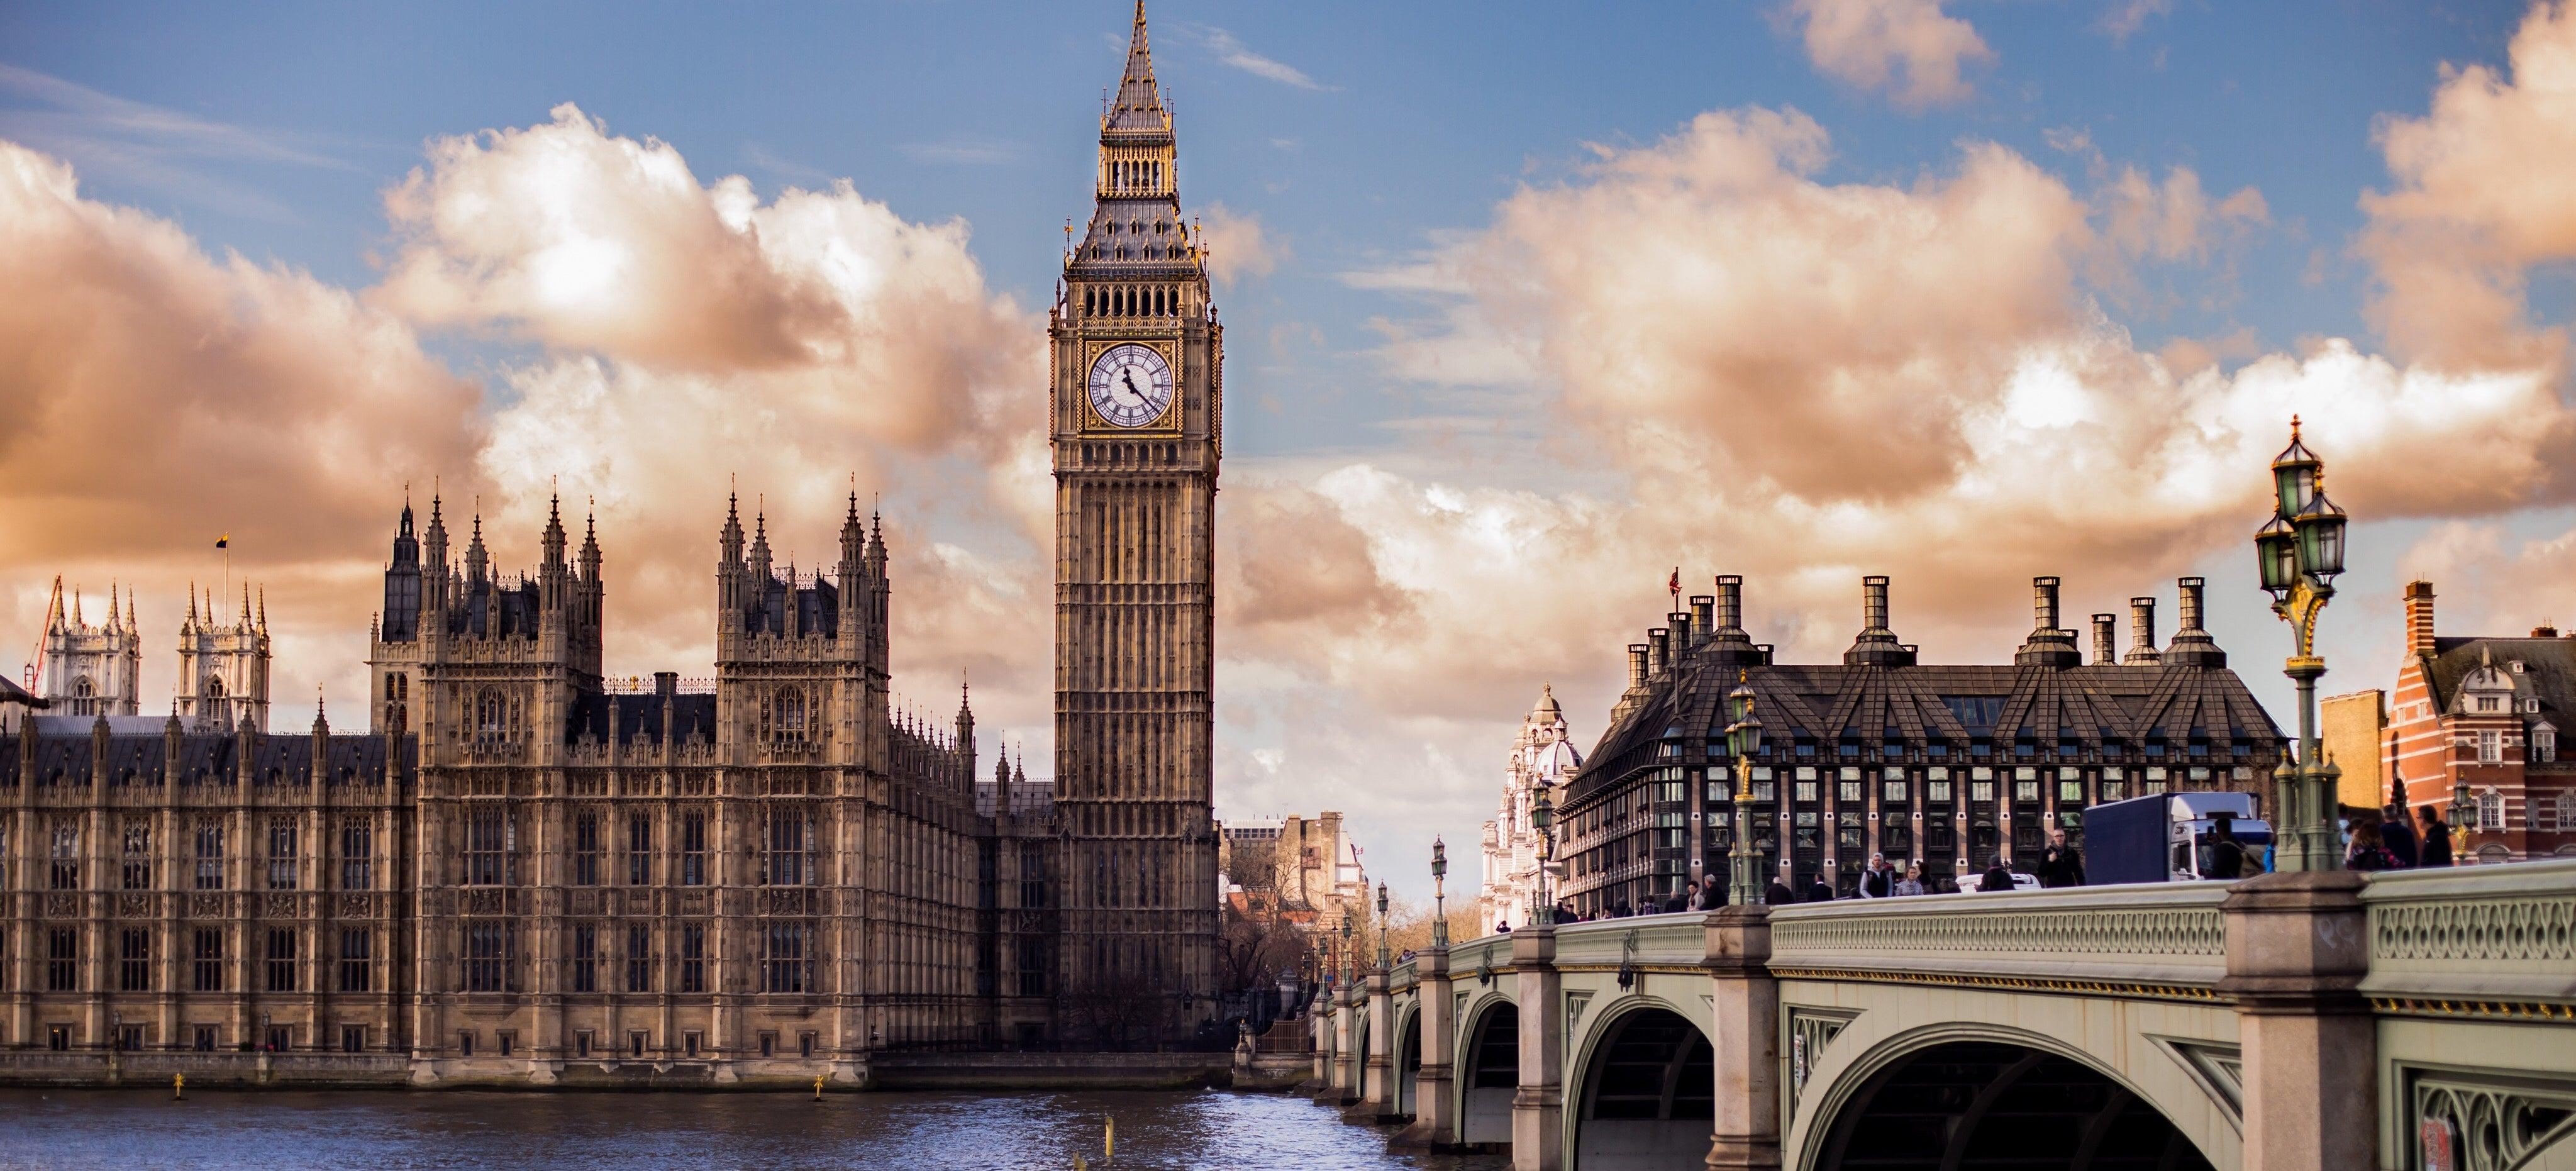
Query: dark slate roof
pixel 818 608
pixel 492 610
pixel 692 714
pixel 1918 705
pixel 210 758
pixel 2549 670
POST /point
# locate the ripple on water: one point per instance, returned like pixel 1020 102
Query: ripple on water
pixel 1204 1131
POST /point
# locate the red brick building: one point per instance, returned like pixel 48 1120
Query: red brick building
pixel 2488 711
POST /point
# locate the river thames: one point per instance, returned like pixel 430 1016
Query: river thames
pixel 382 1129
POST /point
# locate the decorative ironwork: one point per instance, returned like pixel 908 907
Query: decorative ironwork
pixel 1810 1031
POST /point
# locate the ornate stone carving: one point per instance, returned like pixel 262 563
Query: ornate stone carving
pixel 1810 1031
pixel 2493 1124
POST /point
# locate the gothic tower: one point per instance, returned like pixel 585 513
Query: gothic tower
pixel 223 667
pixel 1135 420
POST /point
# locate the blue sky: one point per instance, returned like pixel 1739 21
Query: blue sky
pixel 1373 143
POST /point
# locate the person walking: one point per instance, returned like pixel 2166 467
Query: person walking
pixel 2368 850
pixel 2398 837
pixel 1998 875
pixel 2226 857
pixel 1818 891
pixel 2436 837
pixel 1879 881
pixel 1779 895
pixel 1912 883
pixel 1709 897
pixel 2061 864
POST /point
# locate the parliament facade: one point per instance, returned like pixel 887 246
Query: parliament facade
pixel 524 871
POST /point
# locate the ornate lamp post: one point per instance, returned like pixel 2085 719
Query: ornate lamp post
pixel 1542 820
pixel 1347 969
pixel 1382 963
pixel 2299 554
pixel 1743 738
pixel 1439 894
pixel 2464 812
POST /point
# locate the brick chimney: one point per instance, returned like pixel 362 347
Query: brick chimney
pixel 2106 640
pixel 2142 634
pixel 2419 618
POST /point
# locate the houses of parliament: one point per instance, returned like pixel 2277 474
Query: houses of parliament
pixel 511 868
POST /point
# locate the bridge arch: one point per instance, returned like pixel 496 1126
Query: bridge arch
pixel 1488 1070
pixel 1964 1096
pixel 1641 1089
pixel 1408 1056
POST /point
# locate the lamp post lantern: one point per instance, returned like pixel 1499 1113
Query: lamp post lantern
pixel 2298 553
pixel 1542 816
pixel 1439 894
pixel 1347 926
pixel 1382 964
pixel 1744 739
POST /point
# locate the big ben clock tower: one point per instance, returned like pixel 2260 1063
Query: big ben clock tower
pixel 1135 420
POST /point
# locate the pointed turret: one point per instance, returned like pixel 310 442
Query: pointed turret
pixel 188 625
pixel 553 541
pixel 112 622
pixel 244 624
pixel 478 562
pixel 760 550
pixel 590 544
pixel 965 719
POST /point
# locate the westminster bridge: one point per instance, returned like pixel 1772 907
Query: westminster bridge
pixel 2317 1022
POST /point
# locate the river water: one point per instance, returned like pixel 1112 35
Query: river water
pixel 387 1129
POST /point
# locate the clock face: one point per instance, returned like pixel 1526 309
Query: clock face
pixel 1131 385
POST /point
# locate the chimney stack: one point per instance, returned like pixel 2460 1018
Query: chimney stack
pixel 1636 666
pixel 2106 640
pixel 1659 651
pixel 1877 645
pixel 1685 634
pixel 2419 618
pixel 2047 646
pixel 2142 634
pixel 2191 645
pixel 1703 618
pixel 1730 607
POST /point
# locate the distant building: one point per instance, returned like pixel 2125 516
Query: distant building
pixel 92 670
pixel 2488 712
pixel 1949 766
pixel 223 667
pixel 1542 756
pixel 2350 728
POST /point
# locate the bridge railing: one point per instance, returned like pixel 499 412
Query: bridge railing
pixel 2166 935
pixel 1645 941
pixel 2504 935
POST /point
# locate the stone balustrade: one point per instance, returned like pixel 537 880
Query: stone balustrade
pixel 2325 1022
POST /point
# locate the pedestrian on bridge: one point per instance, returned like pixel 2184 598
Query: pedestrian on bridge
pixel 1779 895
pixel 2398 837
pixel 2437 837
pixel 2061 864
pixel 1879 881
pixel 1912 883
pixel 1818 891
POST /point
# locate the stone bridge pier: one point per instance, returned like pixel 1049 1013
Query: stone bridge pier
pixel 2295 1022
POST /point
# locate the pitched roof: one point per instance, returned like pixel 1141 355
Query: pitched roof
pixel 2548 670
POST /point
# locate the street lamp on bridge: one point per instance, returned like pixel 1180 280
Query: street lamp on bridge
pixel 1439 894
pixel 1347 969
pixel 2300 552
pixel 1542 820
pixel 1383 964
pixel 1743 738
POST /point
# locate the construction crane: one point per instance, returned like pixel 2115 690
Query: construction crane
pixel 53 613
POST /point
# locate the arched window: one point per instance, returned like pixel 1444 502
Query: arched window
pixel 491 714
pixel 214 687
pixel 82 688
pixel 390 680
pixel 791 714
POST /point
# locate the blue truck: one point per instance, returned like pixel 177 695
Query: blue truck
pixel 2166 837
